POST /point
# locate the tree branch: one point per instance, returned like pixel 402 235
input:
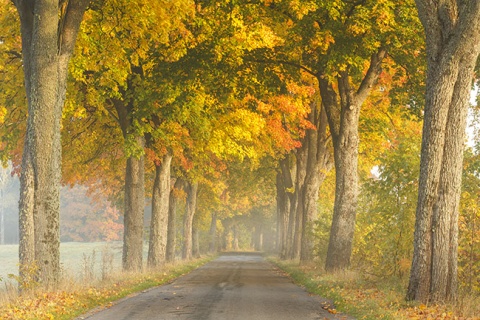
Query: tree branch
pixel 283 62
pixel 372 75
pixel 69 23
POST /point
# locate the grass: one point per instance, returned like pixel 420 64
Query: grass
pixel 365 297
pixel 74 297
pixel 72 257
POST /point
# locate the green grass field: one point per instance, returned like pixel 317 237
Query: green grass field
pixel 77 259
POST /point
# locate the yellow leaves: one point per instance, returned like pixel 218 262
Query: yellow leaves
pixel 3 113
pixel 261 36
pixel 432 312
pixel 237 135
pixel 247 35
pixel 322 41
pixel 302 8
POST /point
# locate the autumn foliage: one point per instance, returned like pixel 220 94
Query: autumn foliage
pixel 236 92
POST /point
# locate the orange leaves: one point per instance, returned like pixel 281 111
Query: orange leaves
pixel 281 137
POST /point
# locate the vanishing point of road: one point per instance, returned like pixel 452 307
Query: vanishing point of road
pixel 233 286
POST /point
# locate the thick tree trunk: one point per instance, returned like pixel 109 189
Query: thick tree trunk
pixel 191 206
pixel 297 205
pixel 26 247
pixel 132 258
pixel 343 122
pixel 134 211
pixel 172 228
pixel 453 46
pixel 48 39
pixel 27 186
pixel 318 164
pixel 159 222
pixel 289 195
pixel 212 248
pixel 346 191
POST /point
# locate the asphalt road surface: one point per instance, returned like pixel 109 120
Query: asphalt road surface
pixel 233 286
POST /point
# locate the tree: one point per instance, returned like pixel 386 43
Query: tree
pixel 48 29
pixel 452 30
pixel 384 229
pixel 342 44
pixel 128 88
pixel 343 116
pixel 190 208
pixel 160 213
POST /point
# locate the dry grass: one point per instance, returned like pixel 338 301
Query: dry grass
pixel 368 297
pixel 75 296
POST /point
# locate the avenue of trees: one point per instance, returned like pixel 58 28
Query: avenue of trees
pixel 329 131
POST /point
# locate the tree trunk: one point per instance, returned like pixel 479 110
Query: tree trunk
pixel 235 245
pixel 287 198
pixel 453 46
pixel 191 206
pixel 297 205
pixel 195 241
pixel 343 122
pixel 26 248
pixel 283 205
pixel 159 222
pixel 132 258
pixel 225 236
pixel 48 39
pixel 346 191
pixel 258 238
pixel 172 229
pixel 134 211
pixel 213 234
pixel 318 164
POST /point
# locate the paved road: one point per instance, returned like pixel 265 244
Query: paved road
pixel 234 286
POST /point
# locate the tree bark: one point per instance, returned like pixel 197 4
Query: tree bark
pixel 297 204
pixel 159 222
pixel 283 206
pixel 48 39
pixel 289 196
pixel 213 234
pixel 195 241
pixel 191 206
pixel 172 229
pixel 318 164
pixel 132 258
pixel 343 122
pixel 453 46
